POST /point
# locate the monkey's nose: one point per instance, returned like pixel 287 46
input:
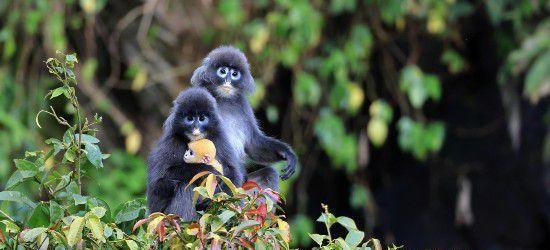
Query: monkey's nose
pixel 196 131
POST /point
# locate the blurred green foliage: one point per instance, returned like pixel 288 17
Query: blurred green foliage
pixel 355 68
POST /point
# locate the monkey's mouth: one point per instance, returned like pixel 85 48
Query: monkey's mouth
pixel 193 137
pixel 226 89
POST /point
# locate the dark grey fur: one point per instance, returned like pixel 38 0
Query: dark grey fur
pixel 237 115
pixel 168 174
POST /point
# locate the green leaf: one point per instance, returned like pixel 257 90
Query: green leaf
pixel 347 223
pixel 344 245
pixel 71 59
pixel 434 136
pixel 301 226
pixel 419 87
pixel 67 136
pixel 341 147
pixel 32 234
pixel 245 224
pixel 132 245
pixel 381 109
pixel 56 212
pixel 215 224
pixel 99 211
pixel 75 231
pixel 338 6
pixel 70 155
pixel 454 61
pixel 25 165
pixel 16 197
pixel 94 224
pixel 433 87
pixel 10 226
pixel 420 139
pixel 86 138
pixel 360 196
pixel 58 91
pixel 93 153
pixel 391 10
pixel 79 199
pixel 232 11
pixel 318 238
pixel 306 90
pixel 129 210
pixel 226 215
pixel 354 237
pixel 537 81
pixel 19 177
pixel 327 218
pixel 40 216
pixel 229 184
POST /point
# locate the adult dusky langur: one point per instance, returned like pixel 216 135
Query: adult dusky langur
pixel 194 116
pixel 226 74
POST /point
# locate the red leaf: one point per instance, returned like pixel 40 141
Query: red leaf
pixel 2 237
pixel 246 243
pixel 176 224
pixel 250 185
pixel 260 212
pixel 161 231
pixel 138 224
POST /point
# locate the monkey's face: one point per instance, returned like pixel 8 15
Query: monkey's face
pixel 227 80
pixel 189 156
pixel 196 125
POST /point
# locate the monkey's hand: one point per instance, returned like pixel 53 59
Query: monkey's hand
pixel 291 161
pixel 206 159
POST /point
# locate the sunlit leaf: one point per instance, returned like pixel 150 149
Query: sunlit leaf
pixel 19 177
pixel 32 234
pixel 93 154
pixel 354 237
pixel 129 210
pixel 75 231
pixel 15 196
pixel 94 224
pixel 318 238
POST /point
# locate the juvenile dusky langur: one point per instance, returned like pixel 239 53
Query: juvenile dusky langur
pixel 194 116
pixel 203 151
pixel 226 74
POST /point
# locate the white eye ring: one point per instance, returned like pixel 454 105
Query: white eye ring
pixel 235 74
pixel 222 72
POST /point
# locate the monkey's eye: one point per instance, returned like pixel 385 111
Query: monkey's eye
pixel 203 119
pixel 191 152
pixel 235 74
pixel 189 119
pixel 222 72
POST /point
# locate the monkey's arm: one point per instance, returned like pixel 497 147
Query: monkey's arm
pixel 159 194
pixel 182 203
pixel 162 185
pixel 264 149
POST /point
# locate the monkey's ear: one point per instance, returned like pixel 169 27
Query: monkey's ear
pixel 199 75
pixel 168 125
pixel 206 159
pixel 248 82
